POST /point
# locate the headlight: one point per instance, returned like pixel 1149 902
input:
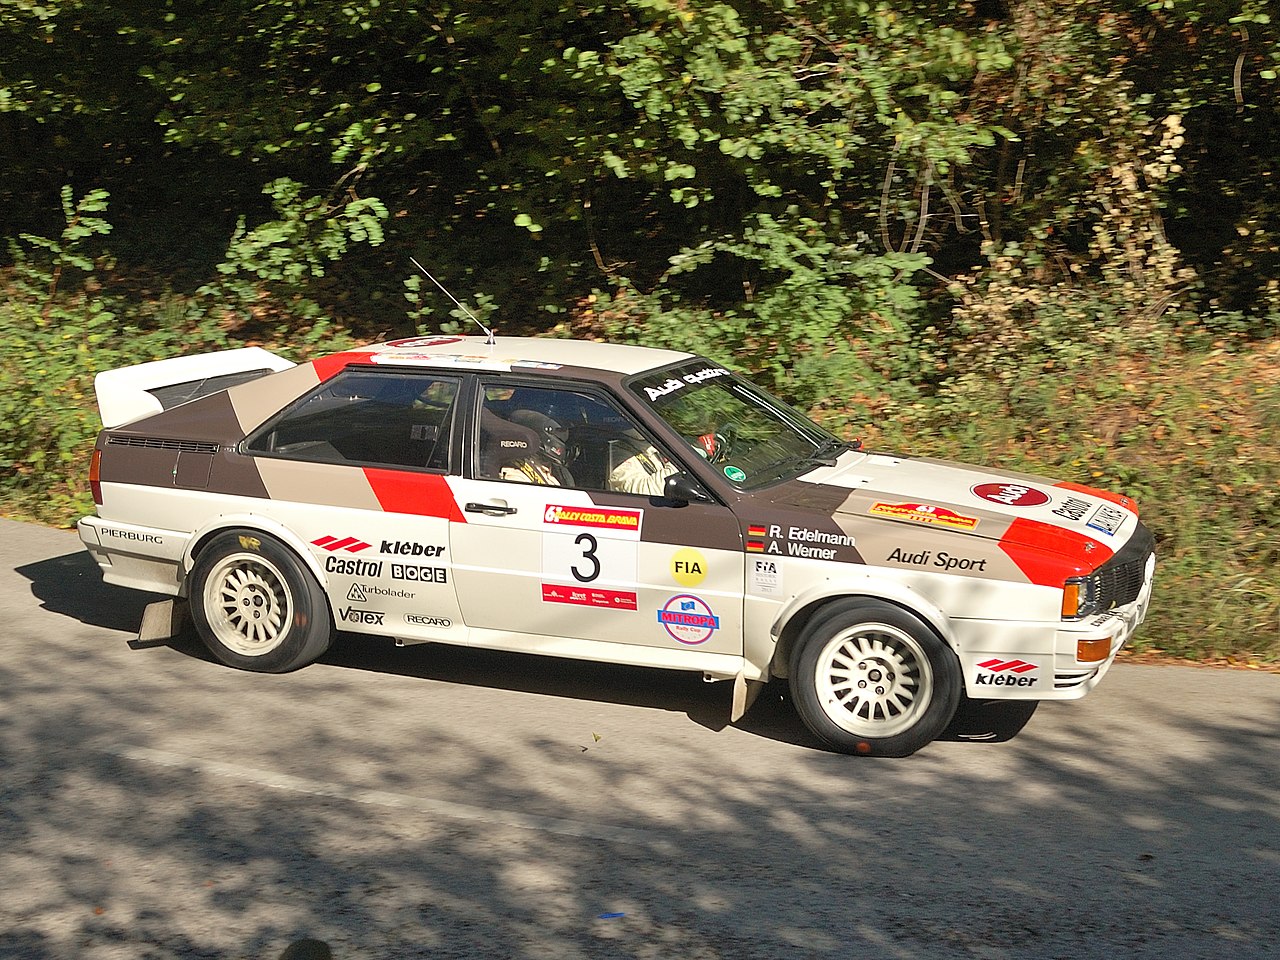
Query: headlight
pixel 1081 597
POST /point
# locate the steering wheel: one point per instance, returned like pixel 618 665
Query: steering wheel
pixel 725 438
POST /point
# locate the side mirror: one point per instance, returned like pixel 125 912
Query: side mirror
pixel 683 489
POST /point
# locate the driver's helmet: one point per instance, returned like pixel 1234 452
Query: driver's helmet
pixel 553 438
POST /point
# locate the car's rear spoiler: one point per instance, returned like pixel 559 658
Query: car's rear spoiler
pixel 129 393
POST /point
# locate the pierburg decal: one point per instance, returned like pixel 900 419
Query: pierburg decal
pixel 925 513
pixel 1010 494
pixel 1006 673
pixel 601 518
pixel 688 619
pixel 349 544
pixel 133 535
pixel 589 597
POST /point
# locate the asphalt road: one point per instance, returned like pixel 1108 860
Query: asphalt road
pixel 438 802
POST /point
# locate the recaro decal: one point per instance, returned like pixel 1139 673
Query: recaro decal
pixel 925 513
pixel 427 621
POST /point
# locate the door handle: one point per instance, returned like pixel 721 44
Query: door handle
pixel 492 509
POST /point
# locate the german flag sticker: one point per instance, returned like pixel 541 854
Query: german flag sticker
pixel 755 546
pixel 756 530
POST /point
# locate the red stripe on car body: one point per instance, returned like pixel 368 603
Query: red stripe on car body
pixel 329 367
pixel 1047 555
pixel 1119 499
pixel 421 494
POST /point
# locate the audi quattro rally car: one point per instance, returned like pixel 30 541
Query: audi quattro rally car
pixel 603 502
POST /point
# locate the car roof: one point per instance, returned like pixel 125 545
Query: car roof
pixel 507 353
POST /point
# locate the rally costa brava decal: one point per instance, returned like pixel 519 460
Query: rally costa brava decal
pixel 618 519
pixel 688 619
pixel 925 513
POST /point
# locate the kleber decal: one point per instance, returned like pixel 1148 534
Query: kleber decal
pixel 688 619
pixel 349 544
pixel 924 513
pixel 1010 494
pixel 603 518
pixel 589 597
pixel 1072 508
pixel 418 620
pixel 764 576
pixel 411 548
pixel 353 568
pixel 1006 673
pixel 1108 519
pixel 688 567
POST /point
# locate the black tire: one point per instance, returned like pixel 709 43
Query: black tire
pixel 256 606
pixel 871 678
pixel 991 721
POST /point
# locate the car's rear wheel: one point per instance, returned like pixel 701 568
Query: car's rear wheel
pixel 256 606
pixel 869 677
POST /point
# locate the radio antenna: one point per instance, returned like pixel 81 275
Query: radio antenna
pixel 487 332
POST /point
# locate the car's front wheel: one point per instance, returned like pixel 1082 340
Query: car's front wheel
pixel 869 677
pixel 256 606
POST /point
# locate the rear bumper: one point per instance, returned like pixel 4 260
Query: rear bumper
pixel 129 555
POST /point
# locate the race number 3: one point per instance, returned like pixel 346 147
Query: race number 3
pixel 588 558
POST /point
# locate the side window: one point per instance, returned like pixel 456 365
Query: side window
pixel 367 417
pixel 565 438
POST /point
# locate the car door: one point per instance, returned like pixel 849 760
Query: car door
pixel 574 556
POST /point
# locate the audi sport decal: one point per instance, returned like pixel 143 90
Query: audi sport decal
pixel 600 518
pixel 349 544
pixel 944 561
pixel 589 597
pixel 924 513
pixel 1010 494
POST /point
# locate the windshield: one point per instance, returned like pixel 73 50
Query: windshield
pixel 754 439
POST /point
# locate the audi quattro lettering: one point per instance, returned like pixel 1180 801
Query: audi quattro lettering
pixel 603 502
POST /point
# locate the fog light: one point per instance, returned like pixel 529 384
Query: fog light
pixel 1090 651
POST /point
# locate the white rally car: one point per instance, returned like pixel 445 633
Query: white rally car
pixel 610 503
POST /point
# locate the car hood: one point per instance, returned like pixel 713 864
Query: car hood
pixel 1026 514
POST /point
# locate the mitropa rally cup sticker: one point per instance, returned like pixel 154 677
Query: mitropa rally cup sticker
pixel 617 519
pixel 688 619
pixel 1010 494
pixel 924 513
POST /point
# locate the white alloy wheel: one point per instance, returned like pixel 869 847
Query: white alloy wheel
pixel 873 680
pixel 248 604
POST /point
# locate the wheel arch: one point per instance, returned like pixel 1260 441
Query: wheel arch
pixel 792 621
pixel 250 523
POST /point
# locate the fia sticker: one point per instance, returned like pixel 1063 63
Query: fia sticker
pixel 765 576
pixel 688 567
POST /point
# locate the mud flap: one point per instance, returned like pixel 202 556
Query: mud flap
pixel 162 620
pixel 744 695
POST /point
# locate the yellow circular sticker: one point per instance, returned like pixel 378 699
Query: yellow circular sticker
pixel 688 567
